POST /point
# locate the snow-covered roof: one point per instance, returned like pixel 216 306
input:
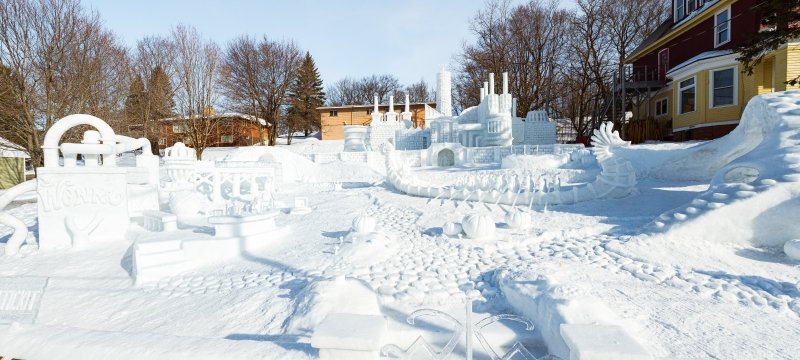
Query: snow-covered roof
pixel 9 149
pixel 699 57
pixel 221 116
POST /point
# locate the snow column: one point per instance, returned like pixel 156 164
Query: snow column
pixel 443 93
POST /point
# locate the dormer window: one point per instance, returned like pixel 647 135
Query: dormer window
pixel 684 8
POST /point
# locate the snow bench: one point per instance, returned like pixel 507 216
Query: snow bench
pixel 349 337
pixel 154 220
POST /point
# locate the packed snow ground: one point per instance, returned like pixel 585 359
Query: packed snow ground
pixel 680 294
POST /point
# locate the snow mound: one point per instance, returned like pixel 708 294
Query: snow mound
pixel 294 167
pixel 753 196
pixel 321 298
pixel 544 161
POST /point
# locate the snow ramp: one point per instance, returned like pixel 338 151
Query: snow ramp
pixel 754 193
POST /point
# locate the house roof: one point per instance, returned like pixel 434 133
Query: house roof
pixel 699 57
pixel 220 116
pixel 9 149
pixel 431 104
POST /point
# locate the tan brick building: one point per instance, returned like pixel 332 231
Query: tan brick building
pixel 333 118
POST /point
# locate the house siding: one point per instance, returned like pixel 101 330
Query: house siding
pixel 333 126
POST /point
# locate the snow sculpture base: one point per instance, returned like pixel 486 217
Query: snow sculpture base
pixel 79 205
pixel 601 342
pixel 792 249
pixel 349 337
pixel 233 226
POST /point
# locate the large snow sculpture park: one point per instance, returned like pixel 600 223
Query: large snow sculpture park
pixel 475 237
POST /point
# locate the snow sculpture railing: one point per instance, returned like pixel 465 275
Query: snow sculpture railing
pixel 617 179
pixel 461 330
pixel 20 230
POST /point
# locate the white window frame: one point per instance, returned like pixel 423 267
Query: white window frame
pixel 711 87
pixel 178 129
pixel 222 139
pixel 716 27
pixel 679 103
pixel 162 141
pixel 658 107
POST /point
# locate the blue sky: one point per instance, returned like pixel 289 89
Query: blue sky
pixel 410 39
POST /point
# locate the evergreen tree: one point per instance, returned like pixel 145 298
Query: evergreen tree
pixel 160 94
pixel 136 106
pixel 305 96
pixel 780 20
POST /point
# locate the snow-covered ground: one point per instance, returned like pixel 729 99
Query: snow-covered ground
pixel 679 289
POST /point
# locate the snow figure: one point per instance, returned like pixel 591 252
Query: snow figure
pixel 365 229
pixel 792 249
pixel 517 219
pixel 478 226
pixel 617 179
pixel 364 224
pixel 452 229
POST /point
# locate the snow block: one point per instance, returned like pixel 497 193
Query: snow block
pixel 601 342
pixel 349 336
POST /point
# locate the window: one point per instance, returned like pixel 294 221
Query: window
pixel 686 94
pixel 162 141
pixel 334 113
pixel 369 111
pixel 723 87
pixel 679 10
pixel 722 31
pixel 178 129
pixel 661 107
pixel 226 139
pixel 691 5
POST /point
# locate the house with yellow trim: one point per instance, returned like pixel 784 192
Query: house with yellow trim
pixel 688 74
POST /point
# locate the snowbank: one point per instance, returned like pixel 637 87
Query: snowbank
pixel 321 298
pixel 294 167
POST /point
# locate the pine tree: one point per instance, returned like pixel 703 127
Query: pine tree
pixel 780 20
pixel 160 94
pixel 136 106
pixel 305 96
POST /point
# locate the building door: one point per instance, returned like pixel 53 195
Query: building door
pixel 446 157
pixel 663 64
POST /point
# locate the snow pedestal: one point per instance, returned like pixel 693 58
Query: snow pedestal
pixel 242 226
pixel 601 342
pixel 81 204
pixel 349 337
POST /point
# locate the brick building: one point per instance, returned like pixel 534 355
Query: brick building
pixel 228 129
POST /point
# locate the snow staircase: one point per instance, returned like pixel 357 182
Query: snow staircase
pixel 157 259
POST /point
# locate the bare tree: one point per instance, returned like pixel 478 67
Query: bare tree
pixel 60 61
pixel 257 76
pixel 343 92
pixel 420 92
pixel 196 75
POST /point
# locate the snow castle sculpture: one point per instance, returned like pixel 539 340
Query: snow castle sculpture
pixel 617 179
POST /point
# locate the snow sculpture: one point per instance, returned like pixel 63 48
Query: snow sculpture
pixel 355 138
pixel 180 163
pixel 82 203
pixel 20 229
pixel 444 92
pixel 478 226
pixel 517 219
pixel 617 179
pixel 792 249
pixel 364 224
pixel 755 178
pixel 365 229
pixel 452 229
